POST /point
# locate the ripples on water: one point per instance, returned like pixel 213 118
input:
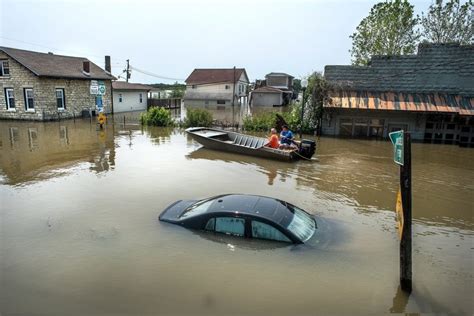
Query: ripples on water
pixel 80 233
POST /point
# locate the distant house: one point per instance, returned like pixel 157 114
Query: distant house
pixel 129 96
pixel 430 94
pixel 275 91
pixel 40 86
pixel 216 89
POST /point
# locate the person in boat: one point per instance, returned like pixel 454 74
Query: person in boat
pixel 286 136
pixel 287 139
pixel 273 141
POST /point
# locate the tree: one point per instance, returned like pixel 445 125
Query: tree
pixel 389 29
pixel 451 23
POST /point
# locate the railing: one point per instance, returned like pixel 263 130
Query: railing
pixel 172 103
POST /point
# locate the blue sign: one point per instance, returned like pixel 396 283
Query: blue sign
pixel 98 102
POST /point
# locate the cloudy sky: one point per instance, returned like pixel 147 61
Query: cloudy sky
pixel 171 38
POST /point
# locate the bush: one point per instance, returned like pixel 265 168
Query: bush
pixel 198 117
pixel 259 122
pixel 265 121
pixel 157 116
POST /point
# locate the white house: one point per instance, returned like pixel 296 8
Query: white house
pixel 129 96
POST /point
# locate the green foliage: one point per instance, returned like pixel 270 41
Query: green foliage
pixel 259 122
pixel 198 117
pixel 157 116
pixel 389 29
pixel 165 86
pixel 263 122
pixel 177 93
pixel 449 23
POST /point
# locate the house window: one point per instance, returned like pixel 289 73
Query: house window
pixel 193 86
pixel 29 100
pixel 10 98
pixel 60 102
pixel 120 97
pixel 4 68
pixel 141 97
pixel 220 101
pixel 227 87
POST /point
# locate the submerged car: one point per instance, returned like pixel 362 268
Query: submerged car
pixel 249 216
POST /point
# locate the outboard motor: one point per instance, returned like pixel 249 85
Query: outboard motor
pixel 307 148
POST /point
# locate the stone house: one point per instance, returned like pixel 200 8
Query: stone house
pixel 129 96
pixel 44 86
pixel 275 91
pixel 430 94
pixel 223 91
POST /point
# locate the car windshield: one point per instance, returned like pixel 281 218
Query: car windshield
pixel 302 224
pixel 197 208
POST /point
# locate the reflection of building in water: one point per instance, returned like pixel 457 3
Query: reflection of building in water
pixel 37 149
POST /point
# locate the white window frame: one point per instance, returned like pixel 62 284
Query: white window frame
pixel 141 97
pixel 120 98
pixel 62 98
pixel 27 103
pixel 2 68
pixel 7 99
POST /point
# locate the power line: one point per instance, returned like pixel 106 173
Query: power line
pixel 153 74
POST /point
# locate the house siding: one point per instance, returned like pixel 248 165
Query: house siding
pixel 76 92
pixel 130 100
pixel 266 99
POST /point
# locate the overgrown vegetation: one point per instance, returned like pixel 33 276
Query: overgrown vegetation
pixel 197 117
pixel 157 116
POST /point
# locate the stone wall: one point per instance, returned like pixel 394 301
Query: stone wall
pixel 76 92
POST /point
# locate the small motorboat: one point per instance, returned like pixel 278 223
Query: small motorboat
pixel 222 140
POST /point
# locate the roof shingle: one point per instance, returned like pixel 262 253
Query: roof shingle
pixel 58 66
pixel 215 75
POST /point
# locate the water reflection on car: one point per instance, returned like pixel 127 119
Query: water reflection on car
pixel 243 215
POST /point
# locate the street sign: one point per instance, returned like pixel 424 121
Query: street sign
pixel 397 141
pixel 101 88
pixel 94 88
pixel 399 214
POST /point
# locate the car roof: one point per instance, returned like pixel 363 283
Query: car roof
pixel 253 205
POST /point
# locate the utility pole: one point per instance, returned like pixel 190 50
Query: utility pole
pixel 128 70
pixel 233 98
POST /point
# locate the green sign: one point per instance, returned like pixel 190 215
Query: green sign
pixel 397 141
pixel 101 88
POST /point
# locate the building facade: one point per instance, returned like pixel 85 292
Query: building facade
pixel 430 94
pixel 222 91
pixel 129 97
pixel 275 91
pixel 39 86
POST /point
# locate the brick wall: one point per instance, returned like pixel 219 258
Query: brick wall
pixel 76 92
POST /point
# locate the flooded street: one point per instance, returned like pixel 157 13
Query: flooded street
pixel 79 233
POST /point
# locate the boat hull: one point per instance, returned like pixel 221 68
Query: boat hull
pixel 219 143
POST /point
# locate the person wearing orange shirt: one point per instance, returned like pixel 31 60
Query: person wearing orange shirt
pixel 273 141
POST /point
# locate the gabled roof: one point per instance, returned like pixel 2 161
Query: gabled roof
pixel 436 68
pixel 215 75
pixel 57 66
pixel 122 85
pixel 278 74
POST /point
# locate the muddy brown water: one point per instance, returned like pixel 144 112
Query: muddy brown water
pixel 79 233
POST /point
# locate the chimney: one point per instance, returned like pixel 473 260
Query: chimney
pixel 86 67
pixel 107 64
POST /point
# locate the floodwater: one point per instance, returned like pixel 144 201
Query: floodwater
pixel 79 233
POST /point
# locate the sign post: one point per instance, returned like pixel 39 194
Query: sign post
pixel 402 156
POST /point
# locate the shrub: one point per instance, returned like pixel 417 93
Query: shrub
pixel 259 122
pixel 157 116
pixel 198 117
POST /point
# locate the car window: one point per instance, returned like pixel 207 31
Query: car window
pixel 230 225
pixel 265 231
pixel 197 208
pixel 211 224
pixel 302 224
